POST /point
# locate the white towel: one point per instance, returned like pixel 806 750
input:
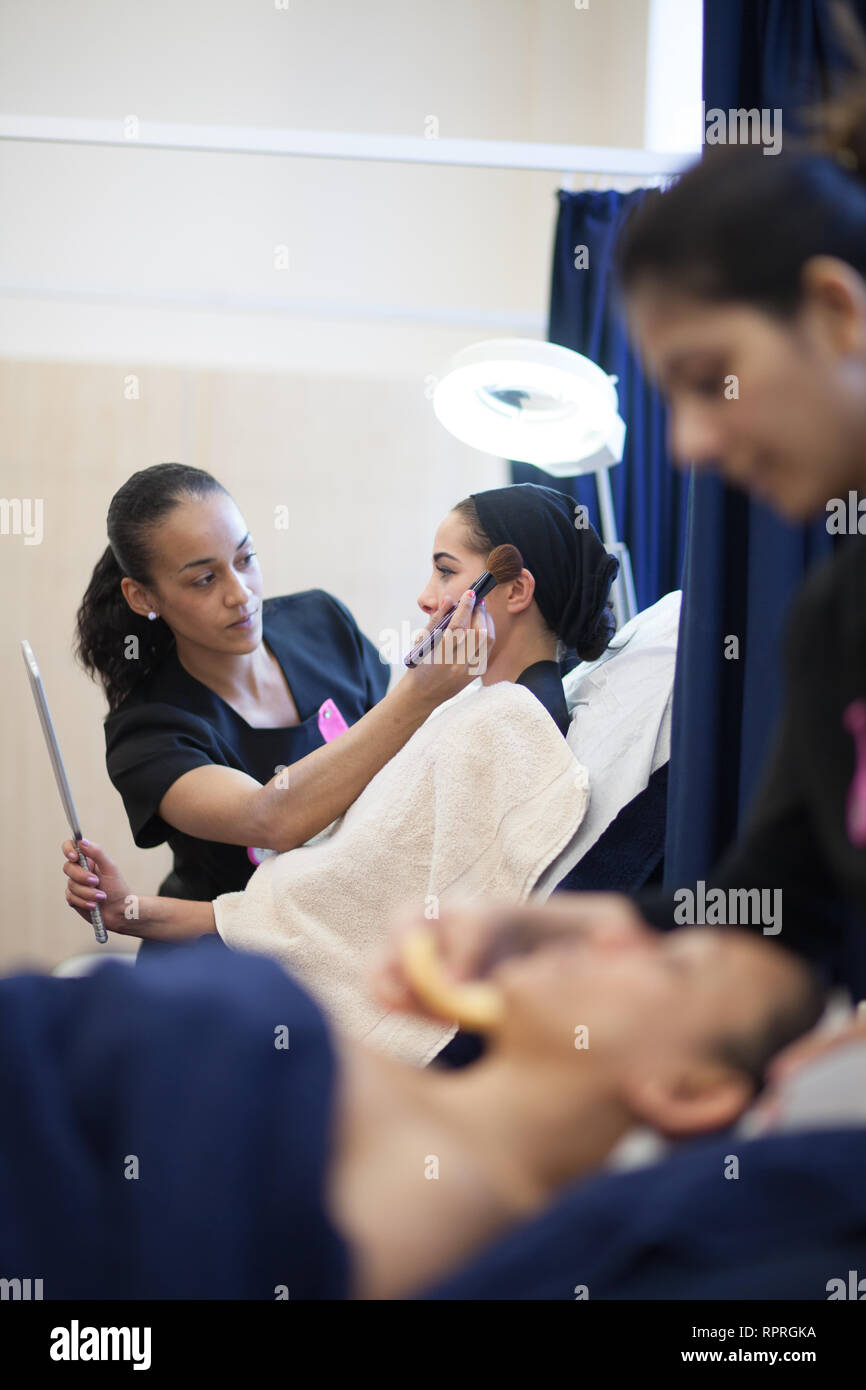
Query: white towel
pixel 475 806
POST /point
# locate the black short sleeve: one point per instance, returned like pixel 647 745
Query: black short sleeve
pixel 795 839
pixel 147 748
pixel 171 723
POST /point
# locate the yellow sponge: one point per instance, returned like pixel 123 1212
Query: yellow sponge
pixel 476 1004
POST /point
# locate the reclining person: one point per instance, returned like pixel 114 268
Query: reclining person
pixel 276 1158
pixel 478 803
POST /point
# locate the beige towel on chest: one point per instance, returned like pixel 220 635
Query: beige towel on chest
pixel 476 805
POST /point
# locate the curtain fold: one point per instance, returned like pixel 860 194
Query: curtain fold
pixel 650 497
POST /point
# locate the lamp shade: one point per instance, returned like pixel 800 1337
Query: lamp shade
pixel 532 402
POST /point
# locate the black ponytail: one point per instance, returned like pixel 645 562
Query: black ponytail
pixel 598 641
pixel 115 645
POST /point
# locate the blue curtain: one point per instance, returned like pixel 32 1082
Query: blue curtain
pixel 650 497
pixel 743 565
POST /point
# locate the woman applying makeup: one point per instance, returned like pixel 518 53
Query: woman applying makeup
pixel 560 596
pixel 221 702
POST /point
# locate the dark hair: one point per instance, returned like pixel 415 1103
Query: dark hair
pixel 599 640
pixel 785 1021
pixel 740 225
pixel 105 621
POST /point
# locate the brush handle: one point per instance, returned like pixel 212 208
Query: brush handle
pixel 482 586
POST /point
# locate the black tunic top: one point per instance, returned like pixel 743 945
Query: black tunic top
pixel 171 723
pixel 806 833
pixel 544 680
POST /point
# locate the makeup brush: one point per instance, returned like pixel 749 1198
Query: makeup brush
pixel 503 564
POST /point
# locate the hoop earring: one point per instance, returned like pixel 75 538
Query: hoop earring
pixel 151 615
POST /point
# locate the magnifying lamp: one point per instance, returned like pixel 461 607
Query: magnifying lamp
pixel 540 403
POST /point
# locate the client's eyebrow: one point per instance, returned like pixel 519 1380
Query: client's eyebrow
pixel 210 559
pixel 443 555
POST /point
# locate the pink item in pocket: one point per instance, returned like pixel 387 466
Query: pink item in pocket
pixel 854 720
pixel 331 721
pixel 258 856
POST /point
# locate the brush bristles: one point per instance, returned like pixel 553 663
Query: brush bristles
pixel 505 563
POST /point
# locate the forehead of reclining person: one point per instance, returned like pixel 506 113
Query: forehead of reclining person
pixel 678 1024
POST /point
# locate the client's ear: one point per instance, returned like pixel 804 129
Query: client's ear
pixel 702 1097
pixel 521 592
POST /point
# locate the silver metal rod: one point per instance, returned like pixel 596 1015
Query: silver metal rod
pixel 622 590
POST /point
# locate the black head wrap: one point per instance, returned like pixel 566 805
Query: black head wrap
pixel 572 570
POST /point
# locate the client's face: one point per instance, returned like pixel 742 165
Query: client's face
pixel 642 1017
pixel 776 406
pixel 456 566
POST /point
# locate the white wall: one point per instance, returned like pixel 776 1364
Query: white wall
pixel 390 267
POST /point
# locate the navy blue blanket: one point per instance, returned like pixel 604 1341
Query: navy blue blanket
pixel 169 1070
pixel 794 1220
pixel 156 1144
pixel 628 853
